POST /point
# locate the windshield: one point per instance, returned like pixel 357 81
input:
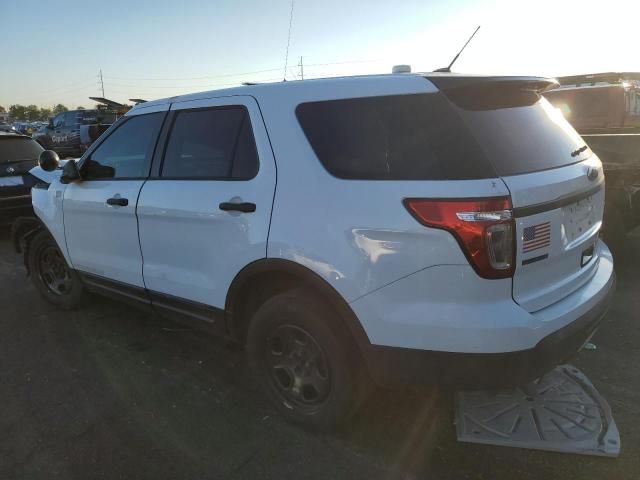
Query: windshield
pixel 13 149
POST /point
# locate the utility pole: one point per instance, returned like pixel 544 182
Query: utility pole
pixel 101 83
pixel 301 69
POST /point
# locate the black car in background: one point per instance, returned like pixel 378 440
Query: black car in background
pixel 69 133
pixel 18 154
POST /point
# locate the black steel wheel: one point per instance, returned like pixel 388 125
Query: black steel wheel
pixel 298 367
pixel 50 273
pixel 53 271
pixel 305 360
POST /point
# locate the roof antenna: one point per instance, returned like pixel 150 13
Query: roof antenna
pixel 448 69
pixel 286 56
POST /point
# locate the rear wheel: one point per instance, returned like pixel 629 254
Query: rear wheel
pixel 304 363
pixel 51 275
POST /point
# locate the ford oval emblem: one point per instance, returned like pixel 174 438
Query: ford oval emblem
pixel 11 170
pixel 592 173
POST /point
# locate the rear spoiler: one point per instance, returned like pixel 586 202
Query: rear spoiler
pixel 532 84
pixel 489 93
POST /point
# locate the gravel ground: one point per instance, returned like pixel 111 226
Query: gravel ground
pixel 109 392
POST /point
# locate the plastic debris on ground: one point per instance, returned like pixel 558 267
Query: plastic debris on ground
pixel 560 412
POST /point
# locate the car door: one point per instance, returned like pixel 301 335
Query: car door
pixel 205 213
pixel 100 210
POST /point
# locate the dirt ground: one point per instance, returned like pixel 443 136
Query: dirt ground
pixel 109 392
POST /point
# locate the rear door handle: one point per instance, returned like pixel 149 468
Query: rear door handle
pixel 246 207
pixel 120 202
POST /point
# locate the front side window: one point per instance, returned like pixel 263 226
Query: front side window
pixel 214 143
pixel 126 153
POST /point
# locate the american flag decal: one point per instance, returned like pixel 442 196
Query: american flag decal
pixel 536 237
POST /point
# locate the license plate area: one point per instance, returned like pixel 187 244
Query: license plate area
pixel 579 218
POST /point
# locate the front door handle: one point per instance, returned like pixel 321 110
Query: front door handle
pixel 246 207
pixel 117 201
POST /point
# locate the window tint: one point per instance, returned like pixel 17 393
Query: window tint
pixel 399 137
pixel 126 153
pixel 212 143
pixel 525 138
pixel 70 119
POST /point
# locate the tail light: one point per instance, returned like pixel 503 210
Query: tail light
pixel 483 227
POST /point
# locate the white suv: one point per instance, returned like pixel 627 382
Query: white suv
pixel 406 228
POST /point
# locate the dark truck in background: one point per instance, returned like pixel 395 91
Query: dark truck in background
pixel 70 133
pixel 605 109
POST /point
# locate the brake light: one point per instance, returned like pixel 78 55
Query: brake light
pixel 483 227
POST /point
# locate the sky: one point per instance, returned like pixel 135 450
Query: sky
pixel 53 50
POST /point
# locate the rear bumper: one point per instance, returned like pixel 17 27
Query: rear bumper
pixel 428 329
pixel 402 366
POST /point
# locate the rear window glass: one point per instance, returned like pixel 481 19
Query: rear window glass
pixel 439 137
pixel 524 139
pixel 398 137
pixel 12 149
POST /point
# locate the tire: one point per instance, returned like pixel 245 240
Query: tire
pixel 304 360
pixel 50 273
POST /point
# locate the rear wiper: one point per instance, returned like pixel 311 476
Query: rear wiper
pixel 578 151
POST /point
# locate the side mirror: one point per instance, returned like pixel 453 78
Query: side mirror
pixel 70 172
pixel 48 160
pixel 50 124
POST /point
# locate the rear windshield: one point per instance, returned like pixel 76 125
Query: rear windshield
pixel 438 137
pixel 12 149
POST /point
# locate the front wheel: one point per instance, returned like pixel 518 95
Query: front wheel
pixel 52 277
pixel 303 361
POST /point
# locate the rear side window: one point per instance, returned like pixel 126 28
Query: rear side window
pixel 212 143
pixel 398 137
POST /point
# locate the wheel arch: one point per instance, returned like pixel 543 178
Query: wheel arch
pixel 260 280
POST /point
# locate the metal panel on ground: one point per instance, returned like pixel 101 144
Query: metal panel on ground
pixel 560 412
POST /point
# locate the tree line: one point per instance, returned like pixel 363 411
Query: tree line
pixel 32 113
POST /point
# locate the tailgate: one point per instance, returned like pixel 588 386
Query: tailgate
pixel 558 215
pixel 555 181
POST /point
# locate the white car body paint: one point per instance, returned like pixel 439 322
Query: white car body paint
pixel 192 249
pixel 410 286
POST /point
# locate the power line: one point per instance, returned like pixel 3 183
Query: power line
pixel 239 74
pixel 197 78
pixel 286 56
